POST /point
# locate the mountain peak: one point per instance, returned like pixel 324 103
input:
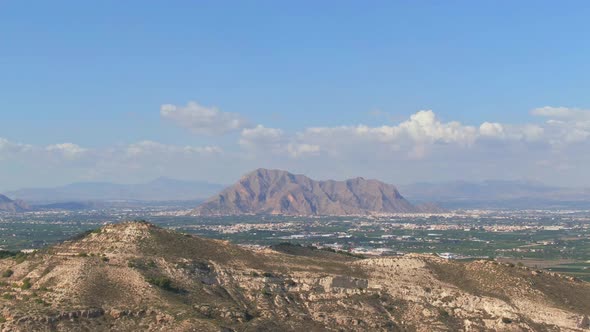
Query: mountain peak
pixel 9 205
pixel 272 191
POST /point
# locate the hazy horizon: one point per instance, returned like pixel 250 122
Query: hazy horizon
pixel 128 92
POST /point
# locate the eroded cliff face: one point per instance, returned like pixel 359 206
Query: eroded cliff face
pixel 136 276
pixel 266 191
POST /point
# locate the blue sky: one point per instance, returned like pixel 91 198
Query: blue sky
pixel 96 75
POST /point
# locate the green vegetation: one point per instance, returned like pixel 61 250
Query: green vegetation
pixel 8 253
pixel 266 292
pixel 7 274
pixel 82 254
pixel 162 282
pixel 20 257
pixel 26 284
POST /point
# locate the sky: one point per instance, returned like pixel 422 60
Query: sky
pixel 402 91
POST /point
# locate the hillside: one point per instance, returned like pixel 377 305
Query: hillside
pixel 266 191
pixel 8 205
pixel 135 276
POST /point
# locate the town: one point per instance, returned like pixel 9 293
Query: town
pixel 558 240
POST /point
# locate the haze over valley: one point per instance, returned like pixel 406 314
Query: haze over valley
pixel 296 166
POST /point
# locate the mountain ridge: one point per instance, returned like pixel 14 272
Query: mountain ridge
pixel 9 205
pixel 272 191
pixel 136 276
pixel 497 193
pixel 159 189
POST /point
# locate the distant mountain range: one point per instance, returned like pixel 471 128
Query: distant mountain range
pixel 8 205
pixel 268 191
pixel 265 191
pixel 497 194
pixel 161 189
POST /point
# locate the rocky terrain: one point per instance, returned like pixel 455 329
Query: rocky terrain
pixel 266 191
pixel 8 205
pixel 135 276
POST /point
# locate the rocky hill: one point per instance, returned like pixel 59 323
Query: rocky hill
pixel 8 205
pixel 266 191
pixel 135 276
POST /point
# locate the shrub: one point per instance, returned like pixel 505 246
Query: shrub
pixel 8 253
pixel 104 259
pixel 83 254
pixel 7 274
pixel 506 320
pixel 20 257
pixel 162 282
pixel 26 284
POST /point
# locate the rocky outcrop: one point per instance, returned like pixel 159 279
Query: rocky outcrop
pixel 158 280
pixel 279 192
pixel 8 205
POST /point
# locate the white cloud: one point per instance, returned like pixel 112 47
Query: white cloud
pixel 565 125
pixel 67 150
pixel 423 127
pixel 260 136
pixel 201 119
pixel 8 147
pixel 421 147
pixel 265 140
pixel 151 148
pixel 491 129
pixel 565 113
pixel 297 150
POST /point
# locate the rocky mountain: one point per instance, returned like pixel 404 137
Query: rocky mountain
pixel 135 276
pixel 8 205
pixel 161 189
pixel 266 191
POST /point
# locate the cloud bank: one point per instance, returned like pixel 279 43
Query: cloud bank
pixel 553 147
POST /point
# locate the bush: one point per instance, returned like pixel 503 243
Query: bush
pixel 83 254
pixel 7 274
pixel 104 259
pixel 506 320
pixel 8 253
pixel 162 282
pixel 26 284
pixel 20 257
